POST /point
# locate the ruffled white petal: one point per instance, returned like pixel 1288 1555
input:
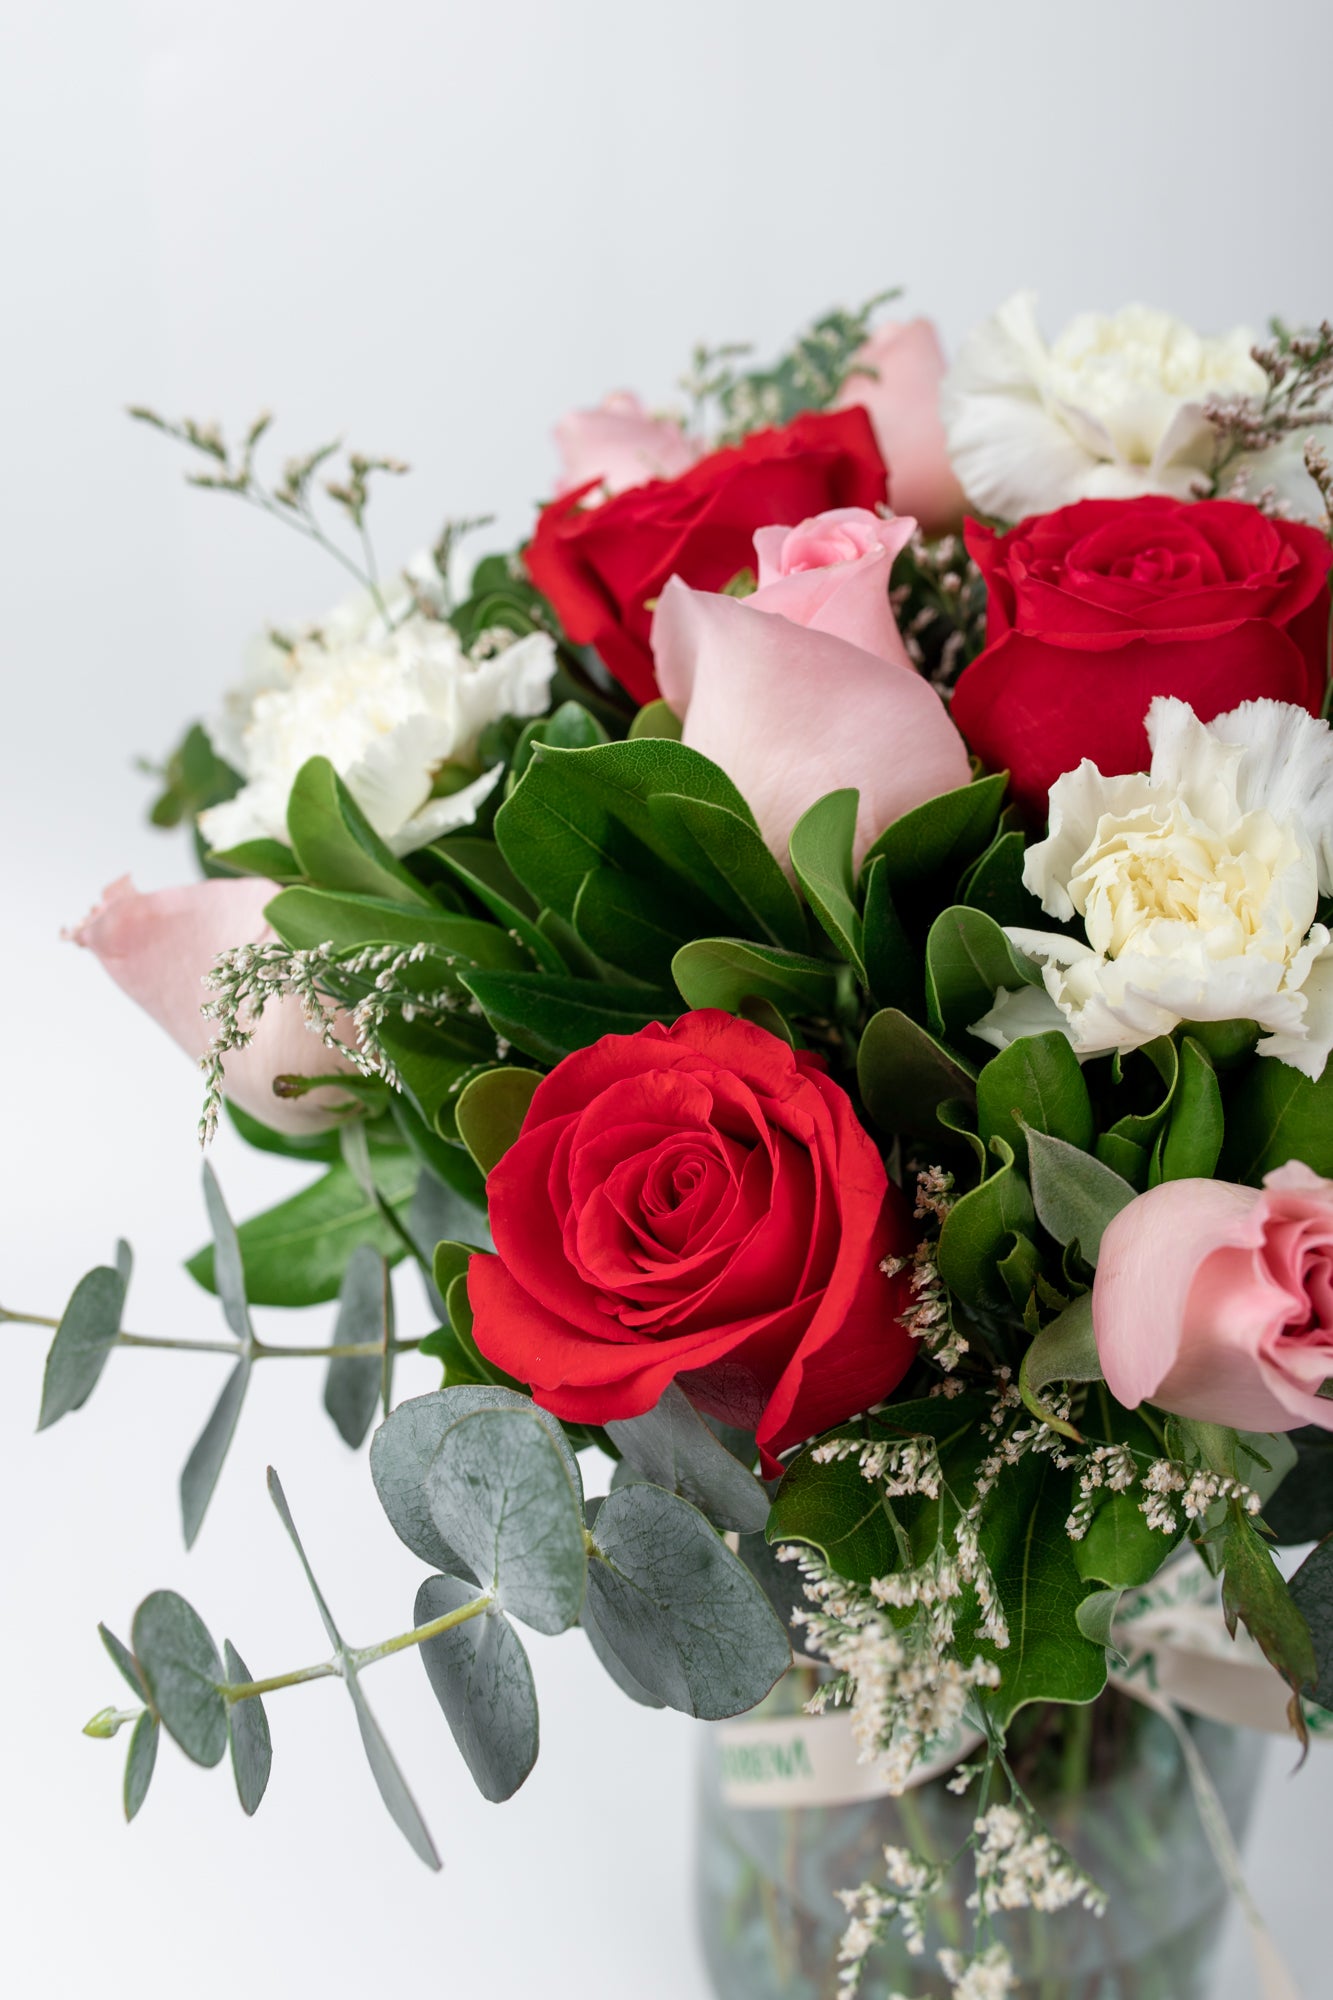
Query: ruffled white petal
pixel 1285 769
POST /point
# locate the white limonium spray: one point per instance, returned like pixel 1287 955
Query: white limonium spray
pixel 391 697
pixel 1197 884
pixel 1116 406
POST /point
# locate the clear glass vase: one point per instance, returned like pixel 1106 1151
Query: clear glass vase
pixel 1109 1781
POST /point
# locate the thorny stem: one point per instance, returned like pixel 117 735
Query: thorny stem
pixel 258 1350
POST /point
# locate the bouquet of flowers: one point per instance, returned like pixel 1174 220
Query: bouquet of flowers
pixel 822 961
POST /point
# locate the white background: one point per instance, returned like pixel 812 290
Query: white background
pixel 436 226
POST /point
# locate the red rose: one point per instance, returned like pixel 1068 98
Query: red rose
pixel 603 567
pixel 1096 608
pixel 698 1203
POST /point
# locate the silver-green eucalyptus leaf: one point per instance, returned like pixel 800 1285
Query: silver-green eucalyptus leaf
pixel 481 1678
pixel 672 1446
pixel 182 1671
pixel 392 1785
pixel 679 1611
pixel 228 1271
pixel 83 1340
pixel 355 1384
pixel 500 1492
pixel 203 1468
pixel 124 1660
pixel 139 1761
pixel 247 1730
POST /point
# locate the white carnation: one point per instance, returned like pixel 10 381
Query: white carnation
pixel 1111 409
pixel 1197 885
pixel 395 704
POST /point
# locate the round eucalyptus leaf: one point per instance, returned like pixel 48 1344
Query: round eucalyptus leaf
pixel 83 1340
pixel 679 1611
pixel 482 1680
pixel 247 1730
pixel 500 1492
pixel 403 1450
pixel 181 1669
pixel 672 1446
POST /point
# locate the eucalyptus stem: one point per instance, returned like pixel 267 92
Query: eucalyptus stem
pixel 357 1657
pixel 258 1350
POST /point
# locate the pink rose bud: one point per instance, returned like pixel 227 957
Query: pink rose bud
pixel 620 444
pixel 158 947
pixel 902 398
pixel 805 687
pixel 1216 1301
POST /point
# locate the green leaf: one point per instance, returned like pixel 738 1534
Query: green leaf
pixel 577 810
pixel 672 1446
pixel 82 1341
pixel 335 844
pixel 569 727
pixel 968 960
pixel 1255 1592
pixel 944 834
pixel 354 1384
pixel 1274 1114
pixel 1096 1616
pixel 1075 1195
pixel 722 850
pixel 481 1678
pixel 821 855
pixel 1036 1082
pixel 491 1110
pixel 725 972
pixel 994 883
pixel 981 1230
pixel 1119 1548
pixel 482 870
pixel 1312 1597
pixel 272 860
pixel 297 1253
pixel 124 1660
pixel 656 718
pixel 680 1612
pixel 139 1762
pixel 181 1670
pixel 405 1447
pixel 247 1732
pixel 550 1018
pixel 1196 1127
pixel 317 1146
pixel 622 926
pixel 307 918
pixel 892 966
pixel 1037 1581
pixel 905 1075
pixel 203 1468
pixel 499 1492
pixel 1301 1507
pixel 1064 1351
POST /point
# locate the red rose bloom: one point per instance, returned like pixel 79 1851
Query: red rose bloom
pixel 603 567
pixel 696 1203
pixel 1096 608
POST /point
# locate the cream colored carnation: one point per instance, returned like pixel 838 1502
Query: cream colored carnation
pixel 397 708
pixel 1197 885
pixel 1111 409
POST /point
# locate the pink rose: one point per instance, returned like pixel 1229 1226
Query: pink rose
pixel 1216 1301
pixel 805 687
pixel 158 947
pixel 903 400
pixel 620 445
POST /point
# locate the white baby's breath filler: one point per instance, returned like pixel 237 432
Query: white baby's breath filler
pixel 1197 884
